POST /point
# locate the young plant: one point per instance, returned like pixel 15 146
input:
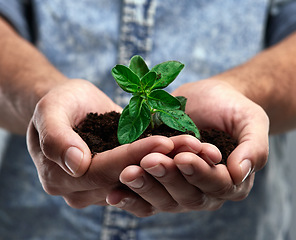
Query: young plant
pixel 149 103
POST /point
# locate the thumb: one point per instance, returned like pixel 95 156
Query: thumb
pixel 53 138
pixel 250 155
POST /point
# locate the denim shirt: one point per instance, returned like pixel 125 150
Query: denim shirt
pixel 85 39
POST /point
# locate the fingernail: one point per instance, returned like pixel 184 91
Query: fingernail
pixel 186 169
pixel 73 158
pixel 157 171
pixel 121 204
pixel 246 168
pixel 137 183
pixel 207 159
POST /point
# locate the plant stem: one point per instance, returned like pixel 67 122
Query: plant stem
pixel 152 123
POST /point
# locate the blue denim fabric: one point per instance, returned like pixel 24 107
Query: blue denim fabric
pixel 14 11
pixel 86 39
pixel 279 25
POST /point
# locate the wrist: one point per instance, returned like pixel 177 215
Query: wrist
pixel 25 77
pixel 269 80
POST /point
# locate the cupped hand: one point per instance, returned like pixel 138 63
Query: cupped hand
pixel 189 178
pixel 101 177
pixel 158 185
pixel 216 104
pixel 63 160
pixel 55 115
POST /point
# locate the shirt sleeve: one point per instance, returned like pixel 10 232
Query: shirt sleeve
pixel 15 13
pixel 281 23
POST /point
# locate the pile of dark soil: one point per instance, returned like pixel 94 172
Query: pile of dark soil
pixel 100 134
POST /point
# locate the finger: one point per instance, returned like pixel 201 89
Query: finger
pixel 58 141
pixel 210 153
pixel 188 143
pixel 54 180
pixel 252 151
pixel 185 143
pixel 109 165
pixel 130 202
pixel 103 172
pixel 214 180
pixel 82 199
pixel 106 167
pixel 148 188
pixel 188 196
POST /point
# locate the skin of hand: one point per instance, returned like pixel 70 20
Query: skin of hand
pixel 55 105
pixel 63 160
pixel 250 101
pixel 55 116
pixel 188 178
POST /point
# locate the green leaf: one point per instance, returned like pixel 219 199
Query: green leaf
pixel 135 105
pixel 183 101
pixel 162 100
pixel 148 80
pixel 130 128
pixel 166 72
pixel 179 120
pixel 126 78
pixel 138 66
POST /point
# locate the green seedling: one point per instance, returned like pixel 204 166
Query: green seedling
pixel 150 104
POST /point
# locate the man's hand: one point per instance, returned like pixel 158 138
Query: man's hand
pixel 216 104
pixel 102 175
pixel 63 160
pixel 189 179
pixel 51 128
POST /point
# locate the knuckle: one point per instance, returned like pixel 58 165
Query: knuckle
pixel 99 178
pixel 223 192
pixel 50 189
pixel 49 180
pixel 40 106
pixel 46 143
